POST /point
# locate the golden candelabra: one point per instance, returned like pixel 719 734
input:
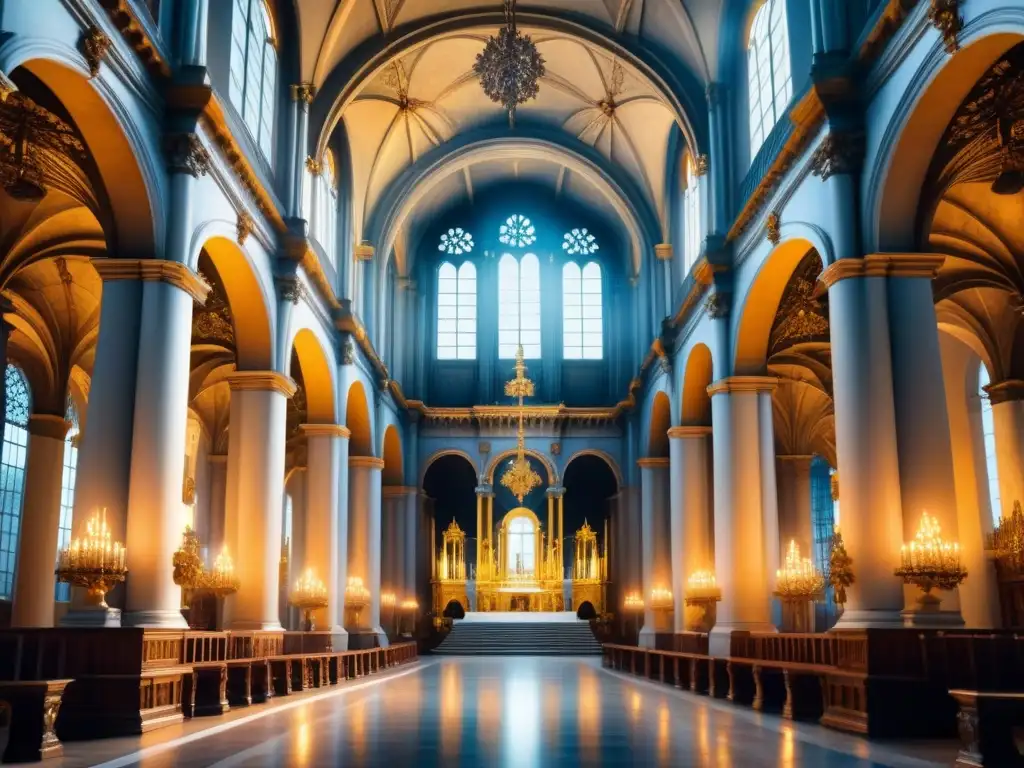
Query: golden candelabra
pixel 930 563
pixel 221 581
pixel 309 594
pixel 1007 541
pixel 93 561
pixel 357 597
pixel 840 568
pixel 388 600
pixel 798 579
pixel 702 592
pixel 188 565
pixel 520 478
pixel 633 603
pixel 661 599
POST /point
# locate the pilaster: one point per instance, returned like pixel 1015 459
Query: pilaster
pixel 689 496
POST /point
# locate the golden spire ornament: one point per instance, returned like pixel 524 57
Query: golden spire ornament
pixel 520 478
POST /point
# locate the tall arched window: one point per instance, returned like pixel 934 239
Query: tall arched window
pixel 456 312
pixel 12 474
pixel 988 431
pixel 253 80
pixel 67 491
pixel 520 547
pixel 768 75
pixel 326 214
pixel 519 306
pixel 582 323
pixel 691 213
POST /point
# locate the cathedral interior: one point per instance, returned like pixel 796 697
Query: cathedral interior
pixel 548 382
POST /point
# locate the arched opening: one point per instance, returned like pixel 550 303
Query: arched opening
pixel 393 473
pixel 591 507
pixel 658 425
pixel 454 610
pixel 317 378
pixel 696 404
pixel 449 484
pixel 357 419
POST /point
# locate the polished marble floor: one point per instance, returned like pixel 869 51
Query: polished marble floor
pixel 499 712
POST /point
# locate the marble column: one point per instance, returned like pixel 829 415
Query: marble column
pixel 37 546
pixel 218 497
pixel 411 515
pixel 155 510
pixel 922 422
pixel 302 97
pixel 746 540
pixel 364 538
pixel 104 459
pixel 872 521
pixel 655 538
pixel 689 495
pixel 794 483
pixel 255 495
pixel 1007 399
pixel 323 452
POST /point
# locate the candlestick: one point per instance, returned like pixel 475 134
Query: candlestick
pixel 309 594
pixel 93 561
pixel 798 579
pixel 930 562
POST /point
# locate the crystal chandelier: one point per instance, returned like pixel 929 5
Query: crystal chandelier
pixel 510 66
pixel 520 477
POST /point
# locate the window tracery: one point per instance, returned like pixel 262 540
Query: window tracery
pixel 12 473
pixel 580 242
pixel 456 242
pixel 770 83
pixel 517 232
pixel 253 77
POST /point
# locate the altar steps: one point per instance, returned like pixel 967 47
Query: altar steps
pixel 533 638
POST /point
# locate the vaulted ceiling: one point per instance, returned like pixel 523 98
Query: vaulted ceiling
pixel 397 75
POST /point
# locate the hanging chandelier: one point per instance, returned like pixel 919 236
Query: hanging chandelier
pixel 509 67
pixel 520 478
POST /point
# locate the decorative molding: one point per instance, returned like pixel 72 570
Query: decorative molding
pixel 244 227
pixel 743 384
pixel 772 228
pixel 945 16
pixel 685 433
pixel 663 251
pixel 363 251
pixel 882 265
pixel 370 462
pixel 325 430
pixel 134 32
pixel 701 165
pixel 802 314
pixel 291 289
pixel 348 353
pixel 154 270
pixel 838 153
pixel 303 93
pixel 186 154
pixel 888 24
pixel 717 305
pixel 653 463
pixel 313 165
pixel 95 45
pixel 48 425
pixel 555 449
pixel 214 323
pixel 1008 391
pixel 262 381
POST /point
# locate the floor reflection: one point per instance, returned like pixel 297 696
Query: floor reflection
pixel 520 712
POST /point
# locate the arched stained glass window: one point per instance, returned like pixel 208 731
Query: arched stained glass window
pixel 582 323
pixel 691 214
pixel 988 432
pixel 580 242
pixel 521 547
pixel 455 242
pixel 12 474
pixel 519 306
pixel 456 312
pixel 67 491
pixel 768 73
pixel 253 80
pixel 517 232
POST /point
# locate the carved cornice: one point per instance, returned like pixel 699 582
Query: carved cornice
pixel 653 463
pixel 945 16
pixel 244 227
pixel 95 45
pixel 262 381
pixel 889 22
pixel 298 249
pixel 154 270
pixel 508 416
pixel 134 32
pixel 325 430
pixel 838 153
pixel 688 433
pixel 743 384
pixel 924 265
pixel 1008 391
pixel 48 425
pixel 369 462
pixel 186 154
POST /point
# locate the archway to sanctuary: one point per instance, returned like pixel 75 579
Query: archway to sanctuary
pixel 591 506
pixel 449 488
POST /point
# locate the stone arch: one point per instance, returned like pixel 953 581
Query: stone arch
pixel 928 102
pixel 604 456
pixel 658 423
pixel 552 473
pixel 441 454
pixel 393 473
pixel 358 421
pixel 761 302
pixel 254 338
pixel 317 377
pixel 695 408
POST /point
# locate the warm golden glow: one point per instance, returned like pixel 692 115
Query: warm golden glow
pixel 930 562
pixel 520 478
pixel 356 595
pixel 661 599
pixel 93 561
pixel 633 602
pixel 798 579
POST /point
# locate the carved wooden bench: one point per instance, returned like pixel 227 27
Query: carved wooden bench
pixel 204 692
pixel 986 723
pixel 33 708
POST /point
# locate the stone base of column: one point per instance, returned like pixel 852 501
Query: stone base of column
pixel 339 639
pixel 932 619
pixel 103 617
pixel 869 619
pixel 720 638
pixel 647 637
pixel 154 620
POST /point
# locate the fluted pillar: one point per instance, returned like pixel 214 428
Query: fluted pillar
pixel 689 494
pixel 323 454
pixel 37 545
pixel 1007 399
pixel 655 539
pixel 155 518
pixel 364 542
pixel 872 521
pixel 794 483
pixel 746 538
pixel 255 495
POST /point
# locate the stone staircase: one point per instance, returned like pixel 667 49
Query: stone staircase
pixel 535 638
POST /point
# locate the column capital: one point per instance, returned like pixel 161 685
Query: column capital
pixel 743 384
pixel 370 462
pixel 262 381
pixel 653 463
pixel 303 93
pixel 684 433
pixel 154 270
pixel 1007 391
pixel 396 491
pixel 555 492
pixel 325 430
pixel 47 425
pixel 882 265
pixel 486 490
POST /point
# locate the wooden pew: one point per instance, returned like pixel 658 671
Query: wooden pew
pixel 986 723
pixel 33 707
pixel 204 692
